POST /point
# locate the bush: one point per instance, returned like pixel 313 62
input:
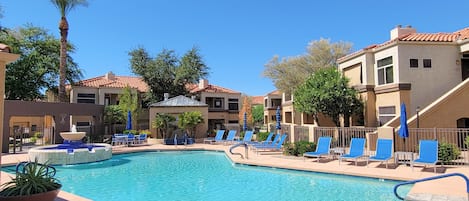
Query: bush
pixel 447 152
pixel 299 148
pixel 135 132
pixel 262 136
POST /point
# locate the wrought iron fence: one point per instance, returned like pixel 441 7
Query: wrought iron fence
pixel 341 136
pixel 301 133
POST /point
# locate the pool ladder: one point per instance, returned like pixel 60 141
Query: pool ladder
pixel 246 149
pixel 431 178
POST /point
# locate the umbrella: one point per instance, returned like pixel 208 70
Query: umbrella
pixel 245 123
pixel 404 129
pixel 277 117
pixel 128 126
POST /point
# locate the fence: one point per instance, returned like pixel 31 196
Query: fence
pixel 455 136
pixel 301 133
pixel 341 136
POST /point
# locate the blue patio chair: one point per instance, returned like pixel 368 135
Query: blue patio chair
pixel 247 136
pixel 218 137
pixel 383 151
pixel 272 147
pixel 323 148
pixel 231 137
pixel 130 139
pixel 268 140
pixel 357 147
pixel 428 153
pixel 141 138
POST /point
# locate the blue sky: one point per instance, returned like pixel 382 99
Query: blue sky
pixel 235 37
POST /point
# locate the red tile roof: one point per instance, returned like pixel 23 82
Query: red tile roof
pixel 418 37
pixel 194 88
pixel 275 92
pixel 257 100
pixel 116 82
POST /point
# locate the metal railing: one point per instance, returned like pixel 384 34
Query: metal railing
pixel 431 178
pixel 301 133
pixel 341 136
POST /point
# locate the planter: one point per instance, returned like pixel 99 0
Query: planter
pixel 47 196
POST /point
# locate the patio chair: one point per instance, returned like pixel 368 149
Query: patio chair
pixel 231 137
pixel 272 147
pixel 247 136
pixel 323 148
pixel 141 138
pixel 268 140
pixel 217 138
pixel 428 153
pixel 357 147
pixel 383 151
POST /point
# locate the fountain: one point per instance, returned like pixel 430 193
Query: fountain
pixel 72 151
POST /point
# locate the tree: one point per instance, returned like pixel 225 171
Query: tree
pixel 37 69
pixel 128 101
pixel 163 122
pixel 189 121
pixel 327 92
pixel 246 108
pixel 288 73
pixel 167 73
pixel 64 7
pixel 113 114
pixel 258 114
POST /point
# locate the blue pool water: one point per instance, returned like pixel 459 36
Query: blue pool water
pixel 210 176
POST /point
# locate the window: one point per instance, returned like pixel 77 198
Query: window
pixel 85 98
pixel 214 103
pixel 385 71
pixel 232 104
pixel 414 63
pixel 386 113
pixel 233 121
pixel 276 102
pixel 427 63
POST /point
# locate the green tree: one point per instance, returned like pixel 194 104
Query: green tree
pixel 166 73
pixel 113 114
pixel 327 92
pixel 189 121
pixel 64 7
pixel 128 101
pixel 288 73
pixel 163 122
pixel 37 69
pixel 258 115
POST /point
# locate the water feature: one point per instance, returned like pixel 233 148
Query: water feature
pixel 71 151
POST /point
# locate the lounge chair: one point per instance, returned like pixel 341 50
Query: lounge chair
pixel 231 137
pixel 357 147
pixel 142 138
pixel 428 153
pixel 217 138
pixel 272 147
pixel 323 148
pixel 383 151
pixel 247 136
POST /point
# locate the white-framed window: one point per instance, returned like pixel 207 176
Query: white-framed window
pixel 386 113
pixel 385 71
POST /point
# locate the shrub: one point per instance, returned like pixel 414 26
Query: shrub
pixel 299 148
pixel 447 152
pixel 135 132
pixel 262 136
pixel 144 132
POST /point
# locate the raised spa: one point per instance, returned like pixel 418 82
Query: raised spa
pixel 72 151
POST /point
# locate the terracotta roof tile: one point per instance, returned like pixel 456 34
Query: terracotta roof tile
pixel 211 89
pixel 257 100
pixel 463 33
pixel 275 92
pixel 116 82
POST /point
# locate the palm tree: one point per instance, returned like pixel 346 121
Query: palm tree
pixel 64 6
pixel 163 122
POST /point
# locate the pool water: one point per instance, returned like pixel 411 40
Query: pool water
pixel 210 176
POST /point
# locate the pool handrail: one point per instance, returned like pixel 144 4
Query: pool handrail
pixel 245 149
pixel 431 178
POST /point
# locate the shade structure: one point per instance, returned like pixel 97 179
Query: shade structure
pixel 404 129
pixel 128 126
pixel 277 117
pixel 245 122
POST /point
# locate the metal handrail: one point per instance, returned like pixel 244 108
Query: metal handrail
pixel 237 145
pixel 431 178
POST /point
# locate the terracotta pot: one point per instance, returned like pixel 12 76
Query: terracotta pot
pixel 47 196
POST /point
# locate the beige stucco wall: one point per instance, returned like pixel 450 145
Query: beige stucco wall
pixel 201 130
pixel 392 99
pixel 366 60
pixel 353 73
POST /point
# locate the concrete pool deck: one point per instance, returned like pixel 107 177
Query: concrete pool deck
pixel 451 189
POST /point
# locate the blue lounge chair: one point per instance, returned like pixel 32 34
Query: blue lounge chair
pixel 428 153
pixel 357 147
pixel 141 138
pixel 323 148
pixel 248 136
pixel 217 138
pixel 231 137
pixel 383 151
pixel 273 147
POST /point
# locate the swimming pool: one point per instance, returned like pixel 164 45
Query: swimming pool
pixel 209 176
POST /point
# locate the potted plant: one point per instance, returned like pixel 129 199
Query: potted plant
pixel 33 181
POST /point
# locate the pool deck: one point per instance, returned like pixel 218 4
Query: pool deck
pixel 448 189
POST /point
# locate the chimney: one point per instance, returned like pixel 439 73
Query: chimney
pixel 203 83
pixel 401 31
pixel 110 76
pixel 166 96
